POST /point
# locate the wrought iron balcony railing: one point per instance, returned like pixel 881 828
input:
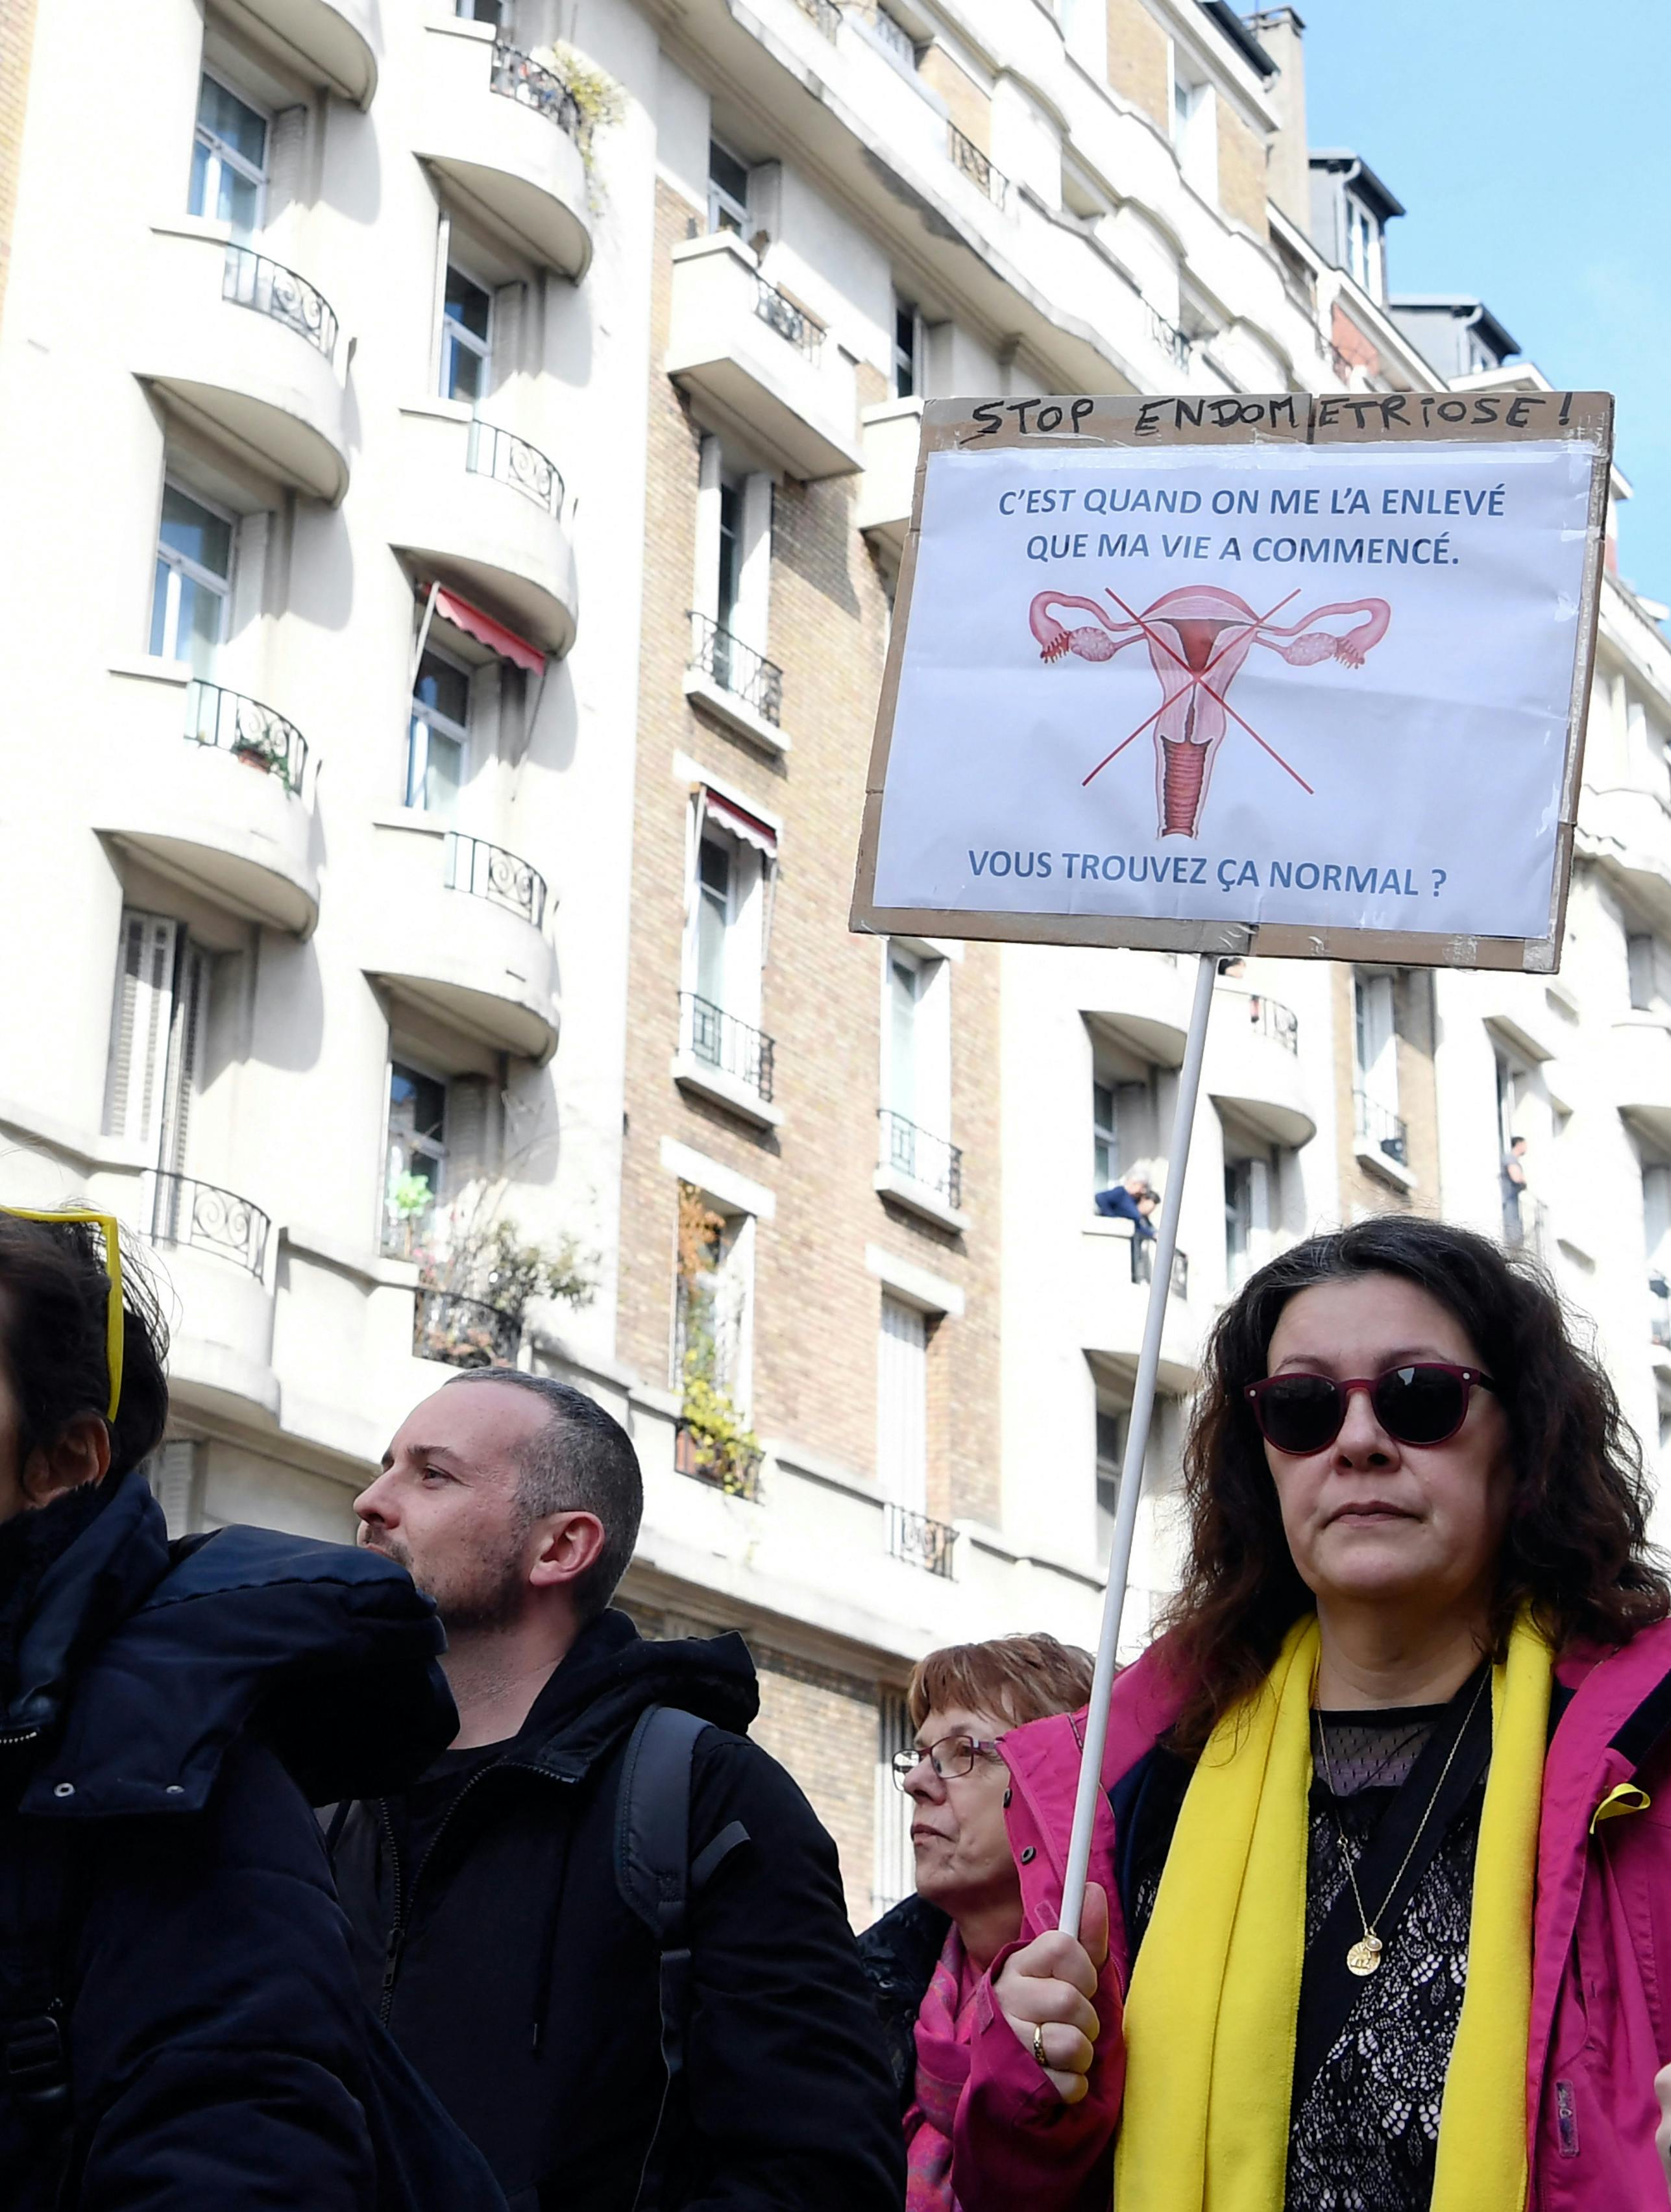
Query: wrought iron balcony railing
pixel 1272 1020
pixel 511 461
pixel 735 667
pixel 183 1210
pixel 1143 1266
pixel 1172 342
pixel 719 1041
pixel 251 280
pixel 464 1331
pixel 247 730
pixel 489 872
pixel 531 84
pixel 1380 1128
pixel 934 1163
pixel 826 14
pixel 919 1542
pixel 728 1467
pixel 967 156
pixel 780 313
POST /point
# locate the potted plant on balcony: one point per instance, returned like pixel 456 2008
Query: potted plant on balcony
pixel 474 1295
pixel 713 1442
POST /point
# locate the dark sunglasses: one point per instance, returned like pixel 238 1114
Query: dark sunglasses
pixel 1422 1403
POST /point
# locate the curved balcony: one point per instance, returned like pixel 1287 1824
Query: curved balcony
pixel 482 509
pixel 464 1331
pixel 892 435
pixel 334 43
pixel 1141 998
pixel 1111 1298
pixel 213 788
pixel 505 135
pixel 459 935
pixel 1253 1065
pixel 235 339
pixel 211 1246
pixel 1639 1076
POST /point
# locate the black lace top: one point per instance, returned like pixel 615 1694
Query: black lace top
pixel 1364 2123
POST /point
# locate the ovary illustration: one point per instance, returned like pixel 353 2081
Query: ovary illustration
pixel 1198 637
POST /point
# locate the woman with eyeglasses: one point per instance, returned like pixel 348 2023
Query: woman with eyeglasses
pixel 1382 1920
pixel 928 1958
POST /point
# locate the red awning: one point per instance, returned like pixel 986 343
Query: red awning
pixel 493 635
pixel 740 822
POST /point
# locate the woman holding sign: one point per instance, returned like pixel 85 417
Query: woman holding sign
pixel 1385 1837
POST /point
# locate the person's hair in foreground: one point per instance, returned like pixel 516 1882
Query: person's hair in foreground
pixel 1019 1678
pixel 54 1304
pixel 1575 1550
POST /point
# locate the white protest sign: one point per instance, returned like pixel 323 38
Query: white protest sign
pixel 1172 689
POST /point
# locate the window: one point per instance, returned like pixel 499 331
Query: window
pixel 916 1072
pixel 732 581
pixel 1122 1118
pixel 157 1020
pixel 496 12
pixel 1249 1181
pixel 713 1312
pixel 1362 247
pixel 1195 129
pixel 438 745
pixel 902 1406
pixel 193 581
pixel 1112 1429
pixel 1104 1134
pixel 893 34
pixel 731 571
pixel 1375 1047
pixel 907 375
pixel 728 859
pixel 895 1874
pixel 717 872
pixel 466 339
pixel 229 159
pixel 727 191
pixel 418 1156
pixel 905 990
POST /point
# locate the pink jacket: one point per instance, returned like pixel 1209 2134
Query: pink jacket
pixel 1600 1972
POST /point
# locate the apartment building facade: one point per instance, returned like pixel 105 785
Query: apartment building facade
pixel 462 472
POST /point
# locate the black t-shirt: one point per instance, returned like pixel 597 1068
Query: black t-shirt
pixel 418 1815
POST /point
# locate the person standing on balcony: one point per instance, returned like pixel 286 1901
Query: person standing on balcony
pixel 733 2063
pixel 927 1959
pixel 1513 1179
pixel 1132 1198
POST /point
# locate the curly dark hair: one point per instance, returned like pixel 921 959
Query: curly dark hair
pixel 54 1301
pixel 1576 1549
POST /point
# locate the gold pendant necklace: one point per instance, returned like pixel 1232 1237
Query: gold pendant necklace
pixel 1365 1954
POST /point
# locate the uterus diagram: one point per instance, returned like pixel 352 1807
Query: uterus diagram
pixel 1198 638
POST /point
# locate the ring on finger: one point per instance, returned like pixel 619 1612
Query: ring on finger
pixel 1038 2045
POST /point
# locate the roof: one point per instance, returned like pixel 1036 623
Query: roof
pixel 1465 309
pixel 1241 37
pixel 1361 176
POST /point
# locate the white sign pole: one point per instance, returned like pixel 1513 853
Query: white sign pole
pixel 1137 1440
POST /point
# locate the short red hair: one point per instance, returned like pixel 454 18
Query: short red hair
pixel 1019 1678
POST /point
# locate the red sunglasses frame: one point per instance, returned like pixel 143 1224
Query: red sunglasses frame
pixel 1469 1378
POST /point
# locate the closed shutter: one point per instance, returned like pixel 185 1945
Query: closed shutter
pixel 136 1076
pixel 173 1468
pixel 901 1441
pixel 466 1131
pixel 894 1875
pixel 185 1034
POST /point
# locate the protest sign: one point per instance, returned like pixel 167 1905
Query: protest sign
pixel 1293 675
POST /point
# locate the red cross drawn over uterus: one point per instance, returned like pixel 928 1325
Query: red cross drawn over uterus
pixel 1198 638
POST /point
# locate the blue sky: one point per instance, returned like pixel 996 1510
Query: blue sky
pixel 1531 144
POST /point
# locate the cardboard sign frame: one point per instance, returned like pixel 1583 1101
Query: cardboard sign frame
pixel 1085 421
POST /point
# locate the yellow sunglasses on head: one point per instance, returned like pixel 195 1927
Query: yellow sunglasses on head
pixel 113 1317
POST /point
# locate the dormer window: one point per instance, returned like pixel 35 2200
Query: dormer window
pixel 1363 261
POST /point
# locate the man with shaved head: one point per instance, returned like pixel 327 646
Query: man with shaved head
pixel 490 1919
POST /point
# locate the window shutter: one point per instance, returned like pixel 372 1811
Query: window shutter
pixel 902 1444
pixel 135 1074
pixel 466 1131
pixel 894 1875
pixel 1639 954
pixel 189 1016
pixel 173 1469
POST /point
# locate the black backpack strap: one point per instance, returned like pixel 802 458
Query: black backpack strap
pixel 657 1878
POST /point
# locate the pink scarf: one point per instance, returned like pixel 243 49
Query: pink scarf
pixel 945 2028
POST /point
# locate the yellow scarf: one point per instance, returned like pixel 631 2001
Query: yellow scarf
pixel 1210 2018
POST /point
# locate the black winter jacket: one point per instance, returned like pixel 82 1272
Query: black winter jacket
pixel 153 1697
pixel 524 1990
pixel 899 1953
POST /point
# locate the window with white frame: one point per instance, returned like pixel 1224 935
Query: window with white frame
pixel 907 347
pixel 1375 1070
pixel 415 1181
pixel 438 739
pixel 895 1874
pixel 916 1067
pixel 1362 247
pixel 1649 965
pixel 732 579
pixel 1195 127
pixel 229 159
pixel 466 337
pixel 901 1405
pixel 1250 1189
pixel 1123 1126
pixel 731 854
pixel 1113 1426
pixel 727 190
pixel 1104 1134
pixel 713 1308
pixel 496 12
pixel 158 1018
pixel 192 588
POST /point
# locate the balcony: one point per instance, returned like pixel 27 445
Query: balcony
pixel 891 434
pixel 212 787
pixel 333 43
pixel 1627 831
pixel 211 1248
pixel 922 1172
pixel 967 158
pixel 464 1331
pixel 921 1542
pixel 481 509
pixel 738 686
pixel 1111 1294
pixel 757 367
pixel 1253 1065
pixel 458 935
pixel 1141 998
pixel 724 1060
pixel 238 342
pixel 1638 1076
pixel 1381 1141
pixel 505 135
pixel 732 1468
pixel 1527 1012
